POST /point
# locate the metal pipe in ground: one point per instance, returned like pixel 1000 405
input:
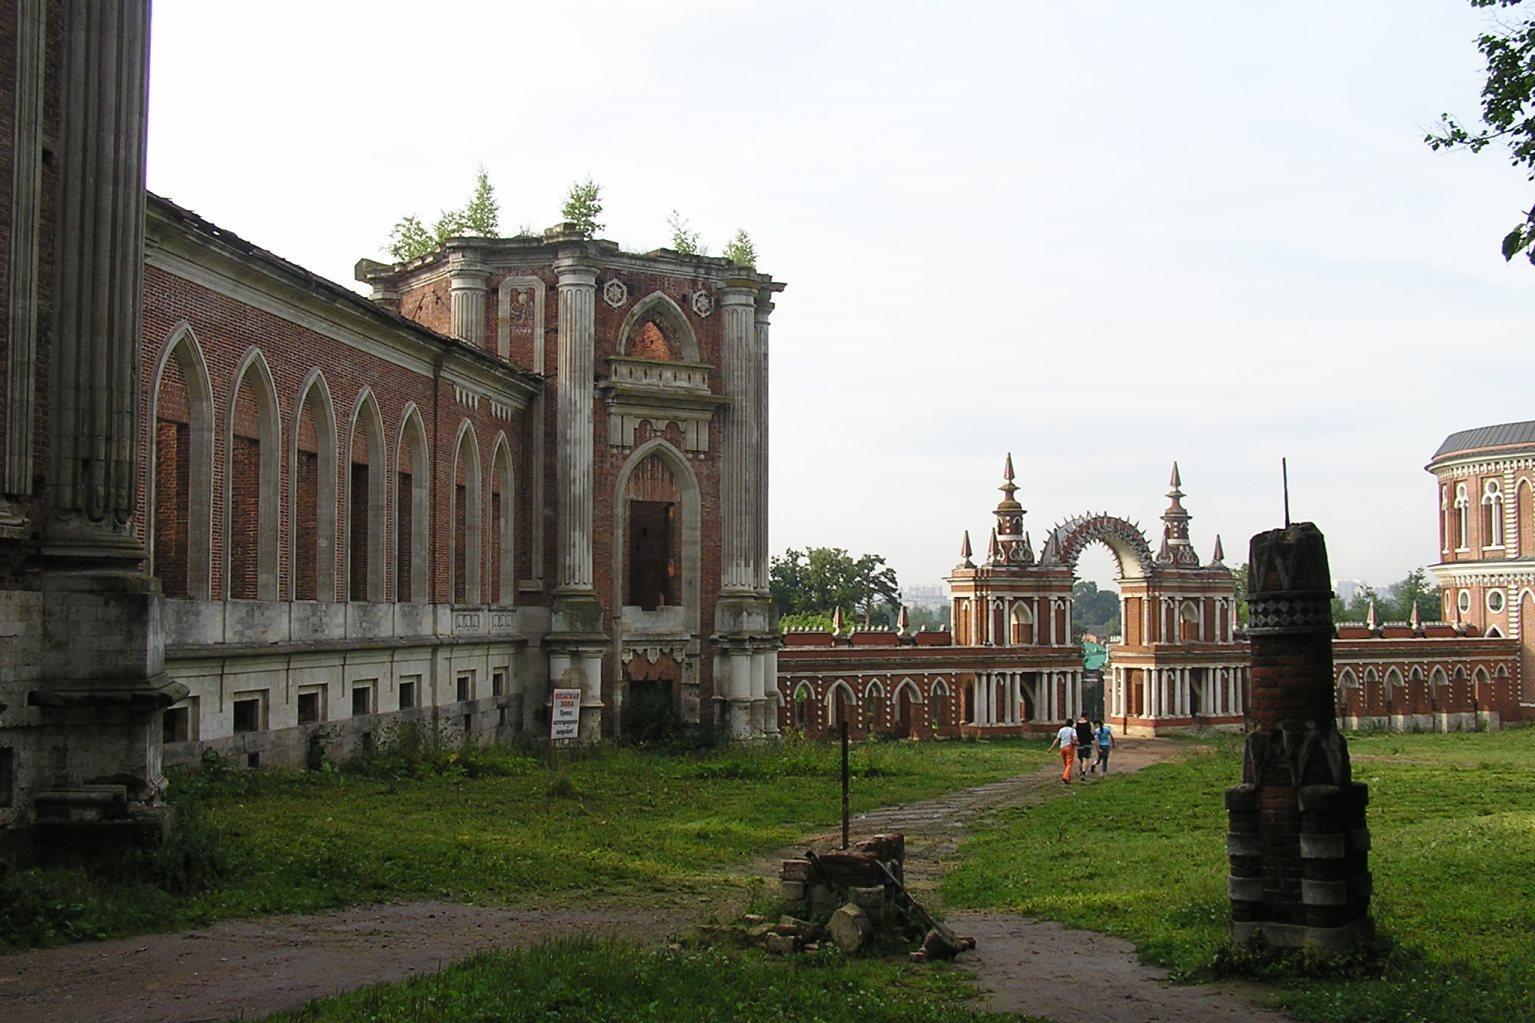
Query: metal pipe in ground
pixel 844 785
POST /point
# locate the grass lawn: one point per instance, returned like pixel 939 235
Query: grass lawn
pixel 492 827
pixel 1452 823
pixel 604 981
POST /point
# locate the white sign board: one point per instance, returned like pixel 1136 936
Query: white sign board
pixel 565 714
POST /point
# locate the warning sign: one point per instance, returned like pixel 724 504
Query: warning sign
pixel 565 714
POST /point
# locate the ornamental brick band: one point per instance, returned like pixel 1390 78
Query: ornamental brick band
pixel 1297 841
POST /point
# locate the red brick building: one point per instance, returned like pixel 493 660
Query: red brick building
pixel 1011 665
pixel 247 509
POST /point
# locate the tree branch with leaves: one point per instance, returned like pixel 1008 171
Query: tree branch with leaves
pixel 1507 115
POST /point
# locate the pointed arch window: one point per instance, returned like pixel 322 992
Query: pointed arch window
pixel 1022 625
pixel 412 521
pixel 503 559
pixel 181 469
pixel 1462 517
pixel 1492 514
pixel 314 494
pixel 251 494
pixel 366 502
pixel 653 559
pixel 466 519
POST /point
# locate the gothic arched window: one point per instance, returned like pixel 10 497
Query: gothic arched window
pixel 1492 514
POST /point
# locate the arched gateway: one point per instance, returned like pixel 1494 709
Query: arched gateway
pixel 1176 663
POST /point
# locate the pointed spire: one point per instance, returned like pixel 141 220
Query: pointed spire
pixel 965 553
pixel 1175 547
pixel 1369 617
pixel 1414 619
pixel 993 548
pixel 836 622
pixel 902 621
pixel 1219 555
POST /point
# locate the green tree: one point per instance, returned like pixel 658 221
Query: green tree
pixel 820 580
pixel 1417 588
pixel 741 251
pixel 684 238
pixel 920 616
pixel 813 620
pixel 583 205
pixel 1239 577
pixel 1508 96
pixel 481 216
pixel 1093 610
pixel 410 237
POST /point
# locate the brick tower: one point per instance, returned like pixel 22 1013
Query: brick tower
pixel 1297 839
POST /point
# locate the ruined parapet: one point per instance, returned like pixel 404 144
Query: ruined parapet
pixel 1297 840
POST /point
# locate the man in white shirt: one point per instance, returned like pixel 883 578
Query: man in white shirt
pixel 1066 739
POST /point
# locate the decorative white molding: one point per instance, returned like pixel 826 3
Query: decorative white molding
pixel 615 293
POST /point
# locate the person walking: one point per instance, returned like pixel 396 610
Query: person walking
pixel 1066 739
pixel 1105 737
pixel 1084 746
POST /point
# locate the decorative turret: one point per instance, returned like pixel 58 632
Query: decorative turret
pixel 1218 556
pixel 1176 549
pixel 965 553
pixel 1414 619
pixel 1011 547
pixel 902 622
pixel 836 621
pixel 993 549
pixel 1369 617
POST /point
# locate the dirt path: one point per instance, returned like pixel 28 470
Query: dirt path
pixel 247 969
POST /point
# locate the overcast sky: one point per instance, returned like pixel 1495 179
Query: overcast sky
pixel 1102 235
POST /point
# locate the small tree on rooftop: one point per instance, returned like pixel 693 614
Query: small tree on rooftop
pixel 481 215
pixel 409 238
pixel 583 205
pixel 684 239
pixel 741 251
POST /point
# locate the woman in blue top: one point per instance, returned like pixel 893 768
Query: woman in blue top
pixel 1105 737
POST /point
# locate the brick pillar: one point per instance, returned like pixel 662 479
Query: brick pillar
pixel 1297 840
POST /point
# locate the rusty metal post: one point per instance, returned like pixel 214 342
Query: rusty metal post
pixel 844 784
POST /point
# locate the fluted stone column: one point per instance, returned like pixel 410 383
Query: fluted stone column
pixel 760 476
pixel 98 782
pixel 466 295
pixel 573 433
pixel 99 264
pixel 576 631
pixel 739 461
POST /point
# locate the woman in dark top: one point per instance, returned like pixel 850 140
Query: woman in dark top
pixel 1084 744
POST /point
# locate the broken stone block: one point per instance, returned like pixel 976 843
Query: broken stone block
pixel 795 926
pixel 792 891
pixel 794 870
pixel 822 900
pixel 760 931
pixel 937 946
pixel 753 919
pixel 871 900
pixel 780 944
pixel 850 928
